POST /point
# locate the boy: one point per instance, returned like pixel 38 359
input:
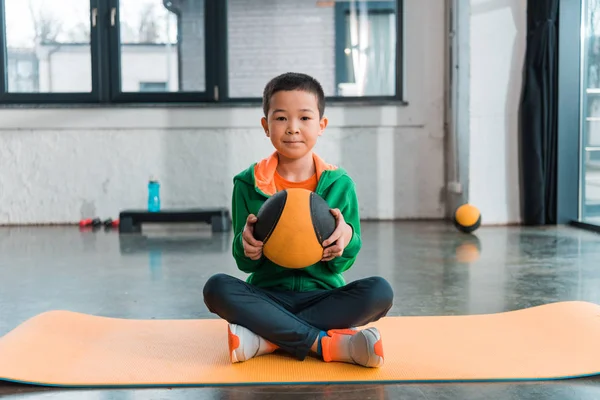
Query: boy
pixel 311 309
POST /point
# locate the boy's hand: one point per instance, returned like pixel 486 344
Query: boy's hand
pixel 340 237
pixel 252 247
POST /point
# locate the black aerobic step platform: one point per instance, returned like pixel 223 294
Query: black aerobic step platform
pixel 130 221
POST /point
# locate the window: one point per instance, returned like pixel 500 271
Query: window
pixel 47 49
pixel 366 54
pixel 113 51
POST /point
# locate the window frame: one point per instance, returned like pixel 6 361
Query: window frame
pixel 94 96
pixel 114 54
pixel 105 49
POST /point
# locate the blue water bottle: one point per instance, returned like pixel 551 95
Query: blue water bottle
pixel 153 195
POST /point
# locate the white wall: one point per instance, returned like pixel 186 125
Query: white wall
pixel 497 48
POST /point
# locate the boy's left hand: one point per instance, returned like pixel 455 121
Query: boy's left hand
pixel 340 237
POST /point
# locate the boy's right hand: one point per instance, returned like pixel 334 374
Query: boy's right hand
pixel 252 247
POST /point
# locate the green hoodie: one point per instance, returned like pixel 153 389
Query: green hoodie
pixel 253 186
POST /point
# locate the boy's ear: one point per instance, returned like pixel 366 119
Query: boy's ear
pixel 265 125
pixel 323 124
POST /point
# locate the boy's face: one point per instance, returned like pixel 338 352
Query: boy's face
pixel 293 123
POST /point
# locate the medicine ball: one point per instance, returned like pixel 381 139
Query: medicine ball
pixel 467 218
pixel 293 224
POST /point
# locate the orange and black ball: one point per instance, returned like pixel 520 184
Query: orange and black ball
pixel 467 218
pixel 293 224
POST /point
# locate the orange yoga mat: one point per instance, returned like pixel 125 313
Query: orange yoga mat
pixel 62 348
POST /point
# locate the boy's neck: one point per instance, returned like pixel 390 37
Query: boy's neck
pixel 296 170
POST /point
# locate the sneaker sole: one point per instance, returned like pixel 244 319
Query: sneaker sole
pixel 374 347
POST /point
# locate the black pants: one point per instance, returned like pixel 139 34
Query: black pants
pixel 292 320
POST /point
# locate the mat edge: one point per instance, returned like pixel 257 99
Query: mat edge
pixel 219 320
pixel 295 383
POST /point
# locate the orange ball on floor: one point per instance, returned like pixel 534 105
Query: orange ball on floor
pixel 467 218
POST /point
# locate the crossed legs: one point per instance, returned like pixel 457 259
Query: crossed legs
pixel 295 321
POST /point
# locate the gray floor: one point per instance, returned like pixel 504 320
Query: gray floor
pixel 434 271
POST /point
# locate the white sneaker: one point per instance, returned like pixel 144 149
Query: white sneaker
pixel 353 346
pixel 245 344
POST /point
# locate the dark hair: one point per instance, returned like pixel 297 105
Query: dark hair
pixel 293 81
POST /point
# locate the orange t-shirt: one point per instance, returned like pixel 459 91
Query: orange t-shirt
pixel 281 183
